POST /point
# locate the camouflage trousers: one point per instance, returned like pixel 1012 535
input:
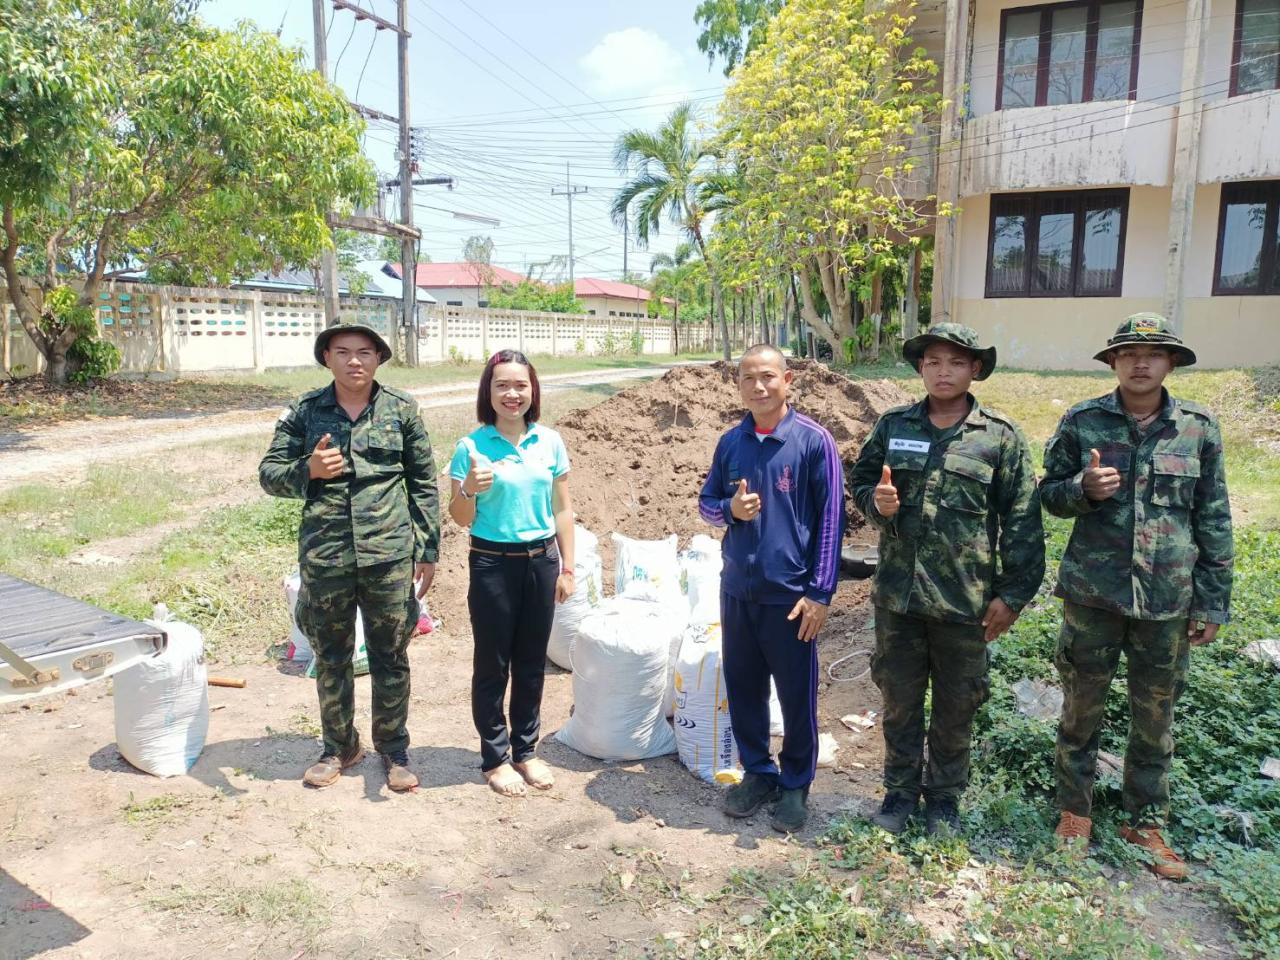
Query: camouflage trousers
pixel 911 654
pixel 1089 648
pixel 326 613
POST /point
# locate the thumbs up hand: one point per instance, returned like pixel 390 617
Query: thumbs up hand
pixel 744 505
pixel 479 476
pixel 886 495
pixel 1099 482
pixel 326 462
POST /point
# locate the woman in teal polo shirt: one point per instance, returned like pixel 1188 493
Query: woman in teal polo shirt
pixel 511 487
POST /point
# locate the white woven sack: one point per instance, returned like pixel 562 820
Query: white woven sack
pixel 646 569
pixel 700 568
pixel 775 711
pixel 704 733
pixel 162 705
pixel 619 680
pixel 588 591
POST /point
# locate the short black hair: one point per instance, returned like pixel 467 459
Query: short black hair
pixel 760 349
pixel 484 397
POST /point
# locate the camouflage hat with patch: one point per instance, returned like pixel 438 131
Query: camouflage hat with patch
pixel 323 338
pixel 1153 330
pixel 956 334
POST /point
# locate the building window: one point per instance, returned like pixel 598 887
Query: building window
pixel 1057 244
pixel 482 303
pixel 1248 239
pixel 1255 51
pixel 591 313
pixel 1069 53
pixel 453 303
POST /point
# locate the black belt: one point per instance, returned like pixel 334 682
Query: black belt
pixel 492 548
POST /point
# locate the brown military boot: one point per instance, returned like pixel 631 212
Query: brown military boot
pixel 1073 831
pixel 326 771
pixel 399 777
pixel 1168 865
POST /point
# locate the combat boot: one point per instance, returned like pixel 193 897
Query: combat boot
pixel 895 812
pixel 1168 865
pixel 941 817
pixel 326 771
pixel 792 811
pixel 750 795
pixel 1073 831
pixel 399 777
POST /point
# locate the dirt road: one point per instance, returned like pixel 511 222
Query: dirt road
pixel 66 449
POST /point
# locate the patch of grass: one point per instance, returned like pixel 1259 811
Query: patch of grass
pixel 44 519
pixel 288 903
pixel 871 895
pixel 161 811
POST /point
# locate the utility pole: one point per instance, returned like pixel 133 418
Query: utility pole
pixel 328 259
pixel 404 231
pixel 568 191
pixel 408 251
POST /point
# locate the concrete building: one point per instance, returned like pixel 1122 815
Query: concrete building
pixel 609 298
pixel 460 284
pixel 1106 158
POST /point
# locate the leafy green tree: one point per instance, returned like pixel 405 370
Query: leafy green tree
pixel 216 152
pixel 731 29
pixel 667 168
pixel 530 295
pixel 826 121
pixel 680 276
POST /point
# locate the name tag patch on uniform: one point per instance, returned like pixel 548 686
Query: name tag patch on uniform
pixel 914 446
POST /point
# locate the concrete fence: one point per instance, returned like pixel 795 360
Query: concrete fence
pixel 177 330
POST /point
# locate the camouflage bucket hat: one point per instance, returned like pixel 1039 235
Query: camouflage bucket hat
pixel 323 338
pixel 956 334
pixel 1153 330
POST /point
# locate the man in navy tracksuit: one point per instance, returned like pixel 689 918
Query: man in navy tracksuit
pixel 776 483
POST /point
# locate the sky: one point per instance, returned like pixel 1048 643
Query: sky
pixel 508 91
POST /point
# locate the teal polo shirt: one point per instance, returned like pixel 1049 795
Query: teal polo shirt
pixel 517 508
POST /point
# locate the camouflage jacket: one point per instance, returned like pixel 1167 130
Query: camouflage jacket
pixel 385 506
pixel 968 527
pixel 1161 548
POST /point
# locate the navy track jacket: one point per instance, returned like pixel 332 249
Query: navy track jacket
pixel 792 547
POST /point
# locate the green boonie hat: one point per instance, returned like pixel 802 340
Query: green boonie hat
pixel 327 334
pixel 953 333
pixel 1153 330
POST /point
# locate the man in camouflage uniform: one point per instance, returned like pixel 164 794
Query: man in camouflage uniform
pixel 358 454
pixel 1147 571
pixel 952 488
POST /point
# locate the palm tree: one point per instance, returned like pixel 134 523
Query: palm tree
pixel 668 167
pixel 671 274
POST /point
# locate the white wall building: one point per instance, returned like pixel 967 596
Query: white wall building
pixel 1107 157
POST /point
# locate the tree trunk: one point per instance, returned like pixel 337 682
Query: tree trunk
pixel 716 295
pixel 791 308
pixel 809 311
pixel 836 289
pixel 877 294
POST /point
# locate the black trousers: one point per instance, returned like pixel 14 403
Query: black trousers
pixel 512 600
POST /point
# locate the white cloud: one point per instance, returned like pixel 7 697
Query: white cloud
pixel 633 61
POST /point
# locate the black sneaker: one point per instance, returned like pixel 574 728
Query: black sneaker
pixel 895 812
pixel 791 812
pixel 941 817
pixel 750 795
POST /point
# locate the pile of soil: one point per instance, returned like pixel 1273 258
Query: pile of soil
pixel 640 458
